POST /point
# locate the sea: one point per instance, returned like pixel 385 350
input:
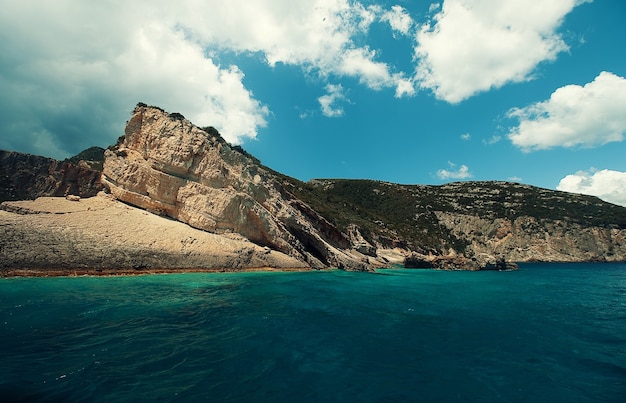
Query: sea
pixel 543 333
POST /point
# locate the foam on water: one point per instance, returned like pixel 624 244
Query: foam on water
pixel 543 333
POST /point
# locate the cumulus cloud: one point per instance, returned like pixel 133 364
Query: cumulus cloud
pixel 87 65
pixel 78 74
pixel 318 35
pixel 586 116
pixel 466 136
pixel 328 102
pixel 608 185
pixel 474 46
pixel 399 19
pixel 462 172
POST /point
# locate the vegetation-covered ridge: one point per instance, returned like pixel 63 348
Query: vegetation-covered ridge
pixel 407 212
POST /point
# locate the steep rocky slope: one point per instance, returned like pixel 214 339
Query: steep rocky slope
pixel 167 165
pixel 170 167
pixel 519 222
pixel 25 176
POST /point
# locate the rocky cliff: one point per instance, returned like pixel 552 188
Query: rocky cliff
pixel 25 176
pixel 167 166
pixel 476 219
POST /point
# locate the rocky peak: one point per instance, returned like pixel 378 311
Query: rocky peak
pixel 166 165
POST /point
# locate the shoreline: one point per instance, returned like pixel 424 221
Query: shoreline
pixel 92 272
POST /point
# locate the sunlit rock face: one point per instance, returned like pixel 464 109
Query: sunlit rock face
pixel 168 166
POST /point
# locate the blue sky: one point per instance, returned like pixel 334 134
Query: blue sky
pixel 414 92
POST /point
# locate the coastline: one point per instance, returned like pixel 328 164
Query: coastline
pixel 97 272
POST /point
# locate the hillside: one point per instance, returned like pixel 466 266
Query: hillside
pixel 413 213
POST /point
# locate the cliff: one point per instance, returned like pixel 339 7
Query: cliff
pixel 170 167
pixel 25 176
pixel 165 165
pixel 518 222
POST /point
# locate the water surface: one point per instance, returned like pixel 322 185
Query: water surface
pixel 544 333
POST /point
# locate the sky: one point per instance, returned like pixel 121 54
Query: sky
pixel 411 92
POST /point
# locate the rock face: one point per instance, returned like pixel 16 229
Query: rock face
pixel 168 166
pixel 25 176
pixel 527 239
pixel 475 224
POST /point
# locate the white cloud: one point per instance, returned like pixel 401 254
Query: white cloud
pixel 466 136
pixel 94 60
pixel 399 19
pixel 586 116
pixel 461 173
pixel 208 94
pixel 328 102
pixel 88 64
pixel 434 7
pixel 492 140
pixel 608 185
pixel 319 35
pixel 473 46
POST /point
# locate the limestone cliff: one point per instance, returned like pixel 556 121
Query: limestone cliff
pixel 168 166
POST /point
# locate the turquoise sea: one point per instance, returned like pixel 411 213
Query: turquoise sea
pixel 548 332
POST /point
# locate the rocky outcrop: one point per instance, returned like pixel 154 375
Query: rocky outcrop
pixel 474 224
pixel 25 176
pixel 168 166
pixel 527 239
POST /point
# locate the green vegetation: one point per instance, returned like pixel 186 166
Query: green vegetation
pixel 94 156
pixel 176 116
pixel 386 211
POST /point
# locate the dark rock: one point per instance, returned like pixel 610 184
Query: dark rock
pixel 26 176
